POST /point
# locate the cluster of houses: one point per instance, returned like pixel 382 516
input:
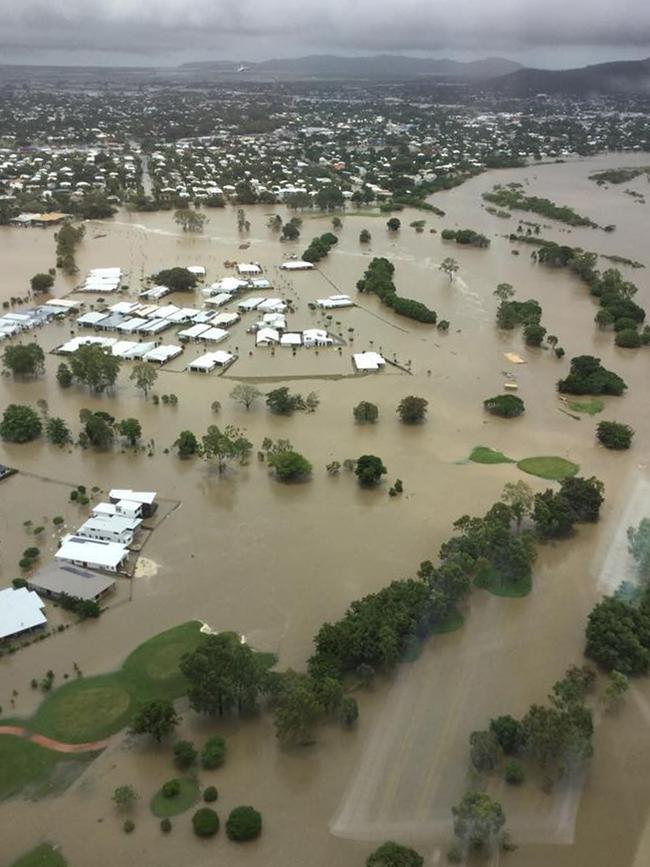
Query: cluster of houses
pixel 14 323
pixel 85 564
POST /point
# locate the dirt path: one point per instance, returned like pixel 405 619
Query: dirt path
pixel 50 743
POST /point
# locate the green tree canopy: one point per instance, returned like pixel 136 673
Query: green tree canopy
pixel 156 718
pixel 20 424
pixel 24 359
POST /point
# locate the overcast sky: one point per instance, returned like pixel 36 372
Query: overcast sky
pixel 554 33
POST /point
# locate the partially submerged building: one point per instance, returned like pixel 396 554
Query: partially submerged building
pixel 21 611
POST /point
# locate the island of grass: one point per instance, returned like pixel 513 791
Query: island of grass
pixel 592 406
pixel 35 770
pixel 42 856
pixel 553 468
pixel 492 582
pixel 486 455
pixel 166 807
pixel 504 197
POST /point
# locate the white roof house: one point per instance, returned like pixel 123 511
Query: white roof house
pixel 316 337
pixel 147 498
pixel 335 301
pixel 199 270
pixel 266 336
pixel 92 317
pixel 249 268
pixel 218 300
pixel 249 304
pixel 92 553
pixel 297 265
pixel 291 338
pixel 224 320
pixel 20 609
pixel 272 305
pixel 110 528
pixel 214 335
pixel 194 331
pixel 368 360
pixel 162 354
pixel 210 360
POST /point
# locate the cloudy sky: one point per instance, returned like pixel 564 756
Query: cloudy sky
pixel 554 33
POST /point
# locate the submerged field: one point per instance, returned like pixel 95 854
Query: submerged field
pixel 275 561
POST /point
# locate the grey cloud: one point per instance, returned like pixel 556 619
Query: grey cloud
pixel 168 30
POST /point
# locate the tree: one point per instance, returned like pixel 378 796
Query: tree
pixel 348 711
pixel 618 637
pixel 365 412
pixel 394 855
pixel 214 753
pixel 585 497
pixel 393 224
pixel 628 338
pixel 485 751
pixel 519 497
pixel 42 282
pixel 24 359
pixel 534 334
pixel 508 733
pixel 504 291
pixel 243 823
pixel 20 424
pixel 95 366
pixel 412 409
pixel 187 444
pixel 245 394
pixel 131 429
pixel 205 822
pixel 449 266
pixel 479 821
pixel 369 470
pixel 225 445
pixel 614 435
pixel 604 318
pixel 282 402
pixel 588 376
pixel 222 674
pixel 616 688
pixel 144 375
pixel 57 431
pixel 505 405
pixel 177 279
pixel 290 232
pixel 98 427
pixel 297 709
pixel 125 796
pixel 189 220
pixel 553 515
pixel 184 754
pixel 156 718
pixel 364 236
pixel 289 465
pixel 64 375
pixel 639 545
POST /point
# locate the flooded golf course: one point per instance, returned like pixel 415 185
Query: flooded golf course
pixel 243 552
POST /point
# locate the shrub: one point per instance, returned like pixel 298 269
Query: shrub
pixel 629 338
pixel 369 470
pixel 129 825
pixel 365 412
pixel 165 825
pixel 210 794
pixel 244 823
pixel 505 405
pixel 171 788
pixel 205 822
pixel 588 376
pixel 613 435
pixel 514 773
pixel 214 753
pixel 412 409
pixel 184 754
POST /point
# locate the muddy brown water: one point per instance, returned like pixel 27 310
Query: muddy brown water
pixel 272 561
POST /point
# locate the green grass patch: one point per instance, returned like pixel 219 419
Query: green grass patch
pixel 453 621
pixel 494 584
pixel 552 468
pixel 166 807
pixel 592 406
pixel 28 766
pixel 42 856
pixel 486 455
pixel 92 708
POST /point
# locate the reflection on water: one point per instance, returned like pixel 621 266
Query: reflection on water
pixel 275 561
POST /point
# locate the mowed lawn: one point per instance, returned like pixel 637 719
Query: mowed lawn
pixel 92 708
pixel 42 856
pixel 27 765
pixel 552 468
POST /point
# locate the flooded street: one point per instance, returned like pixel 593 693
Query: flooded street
pixel 274 561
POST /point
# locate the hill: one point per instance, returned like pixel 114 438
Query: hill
pixel 621 77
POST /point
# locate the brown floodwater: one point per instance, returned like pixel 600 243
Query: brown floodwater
pixel 273 561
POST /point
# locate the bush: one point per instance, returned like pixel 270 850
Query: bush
pixel 514 773
pixel 412 409
pixel 184 754
pixel 365 412
pixel 369 470
pixel 205 822
pixel 165 825
pixel 129 825
pixel 171 788
pixel 244 823
pixel 214 753
pixel 588 376
pixel 613 435
pixel 505 405
pixel 629 338
pixel 210 794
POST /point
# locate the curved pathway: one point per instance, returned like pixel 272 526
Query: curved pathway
pixel 50 743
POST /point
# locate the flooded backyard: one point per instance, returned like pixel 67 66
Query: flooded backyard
pixel 274 561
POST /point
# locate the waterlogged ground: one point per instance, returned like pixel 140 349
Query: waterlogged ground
pixel 244 552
